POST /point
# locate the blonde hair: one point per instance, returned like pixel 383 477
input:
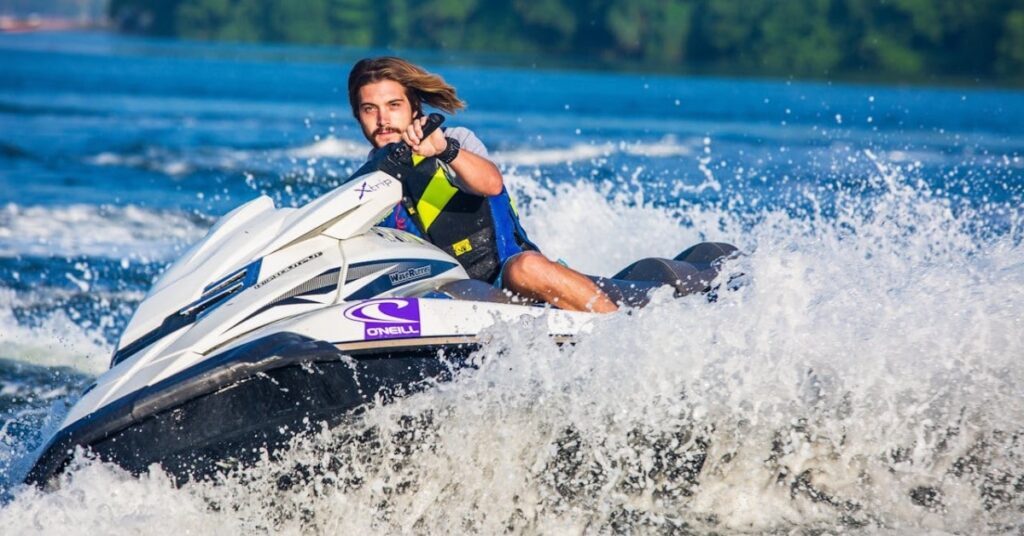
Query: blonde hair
pixel 420 86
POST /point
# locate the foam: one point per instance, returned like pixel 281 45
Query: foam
pixel 176 164
pixel 540 157
pixel 109 501
pixel 601 229
pixel 53 341
pixel 331 147
pixel 667 147
pixel 160 161
pixel 808 384
pixel 98 231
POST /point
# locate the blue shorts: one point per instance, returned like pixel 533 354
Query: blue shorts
pixel 498 281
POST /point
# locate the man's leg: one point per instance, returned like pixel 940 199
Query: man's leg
pixel 532 275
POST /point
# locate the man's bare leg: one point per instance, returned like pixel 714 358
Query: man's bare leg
pixel 532 275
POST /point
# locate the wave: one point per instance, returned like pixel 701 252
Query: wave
pixel 31 109
pixel 331 147
pixel 173 163
pixel 272 160
pixel 96 231
pixel 13 152
pixel 868 377
pixel 667 147
pixel 52 341
pixel 599 229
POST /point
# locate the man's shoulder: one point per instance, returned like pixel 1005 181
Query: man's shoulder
pixel 458 132
pixel 467 140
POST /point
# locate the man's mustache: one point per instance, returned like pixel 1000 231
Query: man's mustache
pixel 386 130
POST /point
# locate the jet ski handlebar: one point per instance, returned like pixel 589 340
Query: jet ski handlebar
pixel 434 120
pixel 402 151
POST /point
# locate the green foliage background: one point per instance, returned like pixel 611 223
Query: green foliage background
pixel 895 39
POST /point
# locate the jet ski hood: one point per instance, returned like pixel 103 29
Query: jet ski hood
pixel 220 264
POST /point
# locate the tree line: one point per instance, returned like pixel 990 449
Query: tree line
pixel 895 39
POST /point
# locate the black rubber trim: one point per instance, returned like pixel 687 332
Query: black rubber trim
pixel 248 364
pixel 170 325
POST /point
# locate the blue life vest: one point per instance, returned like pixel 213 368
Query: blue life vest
pixel 480 232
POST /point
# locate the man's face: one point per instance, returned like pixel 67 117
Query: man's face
pixel 384 112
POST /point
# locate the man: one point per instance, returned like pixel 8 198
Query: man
pixel 470 202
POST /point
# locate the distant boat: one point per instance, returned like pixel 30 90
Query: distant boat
pixel 36 23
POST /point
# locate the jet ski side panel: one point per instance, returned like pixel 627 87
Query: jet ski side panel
pixel 256 396
pixel 398 320
pixel 384 262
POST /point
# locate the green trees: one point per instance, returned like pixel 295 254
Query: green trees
pixel 219 19
pixel 894 38
pixel 652 31
pixel 1010 57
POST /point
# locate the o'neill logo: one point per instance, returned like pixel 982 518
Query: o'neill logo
pixel 387 318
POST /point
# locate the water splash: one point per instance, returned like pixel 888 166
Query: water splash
pixel 867 378
pixel 97 231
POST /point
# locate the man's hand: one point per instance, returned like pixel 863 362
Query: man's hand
pixel 433 145
pixel 479 176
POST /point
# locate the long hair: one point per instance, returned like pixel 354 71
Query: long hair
pixel 420 86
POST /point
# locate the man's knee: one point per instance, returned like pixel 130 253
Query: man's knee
pixel 526 266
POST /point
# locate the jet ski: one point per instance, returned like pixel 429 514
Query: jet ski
pixel 284 318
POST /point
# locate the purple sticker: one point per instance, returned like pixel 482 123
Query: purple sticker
pixel 389 318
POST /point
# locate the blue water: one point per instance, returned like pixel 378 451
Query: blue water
pixel 884 226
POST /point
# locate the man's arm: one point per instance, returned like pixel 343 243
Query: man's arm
pixel 477 174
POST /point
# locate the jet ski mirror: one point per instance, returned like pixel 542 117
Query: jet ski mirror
pixel 402 152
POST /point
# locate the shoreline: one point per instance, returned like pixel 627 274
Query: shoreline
pixel 334 53
pixel 35 23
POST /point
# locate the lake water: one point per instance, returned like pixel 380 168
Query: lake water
pixel 869 378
